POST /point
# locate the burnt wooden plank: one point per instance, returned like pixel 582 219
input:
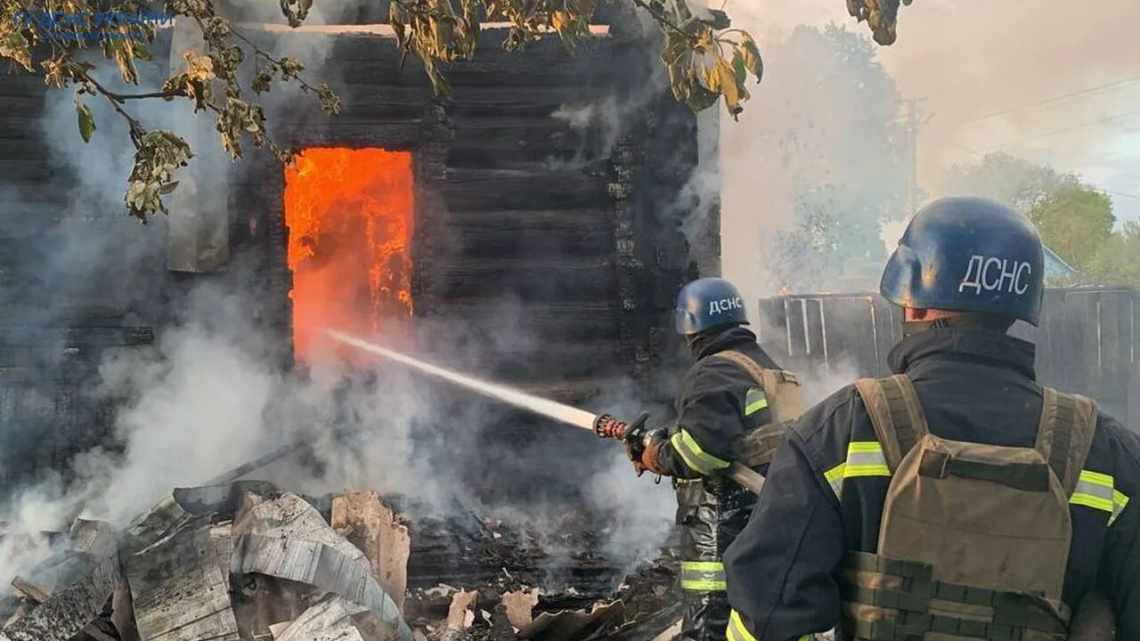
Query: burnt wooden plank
pixel 21 85
pixel 180 586
pixel 514 102
pixel 77 603
pixel 585 241
pixel 571 156
pixel 76 336
pixel 553 220
pixel 546 136
pixel 330 133
pixel 286 538
pixel 359 102
pixel 32 168
pixel 22 104
pixel 583 321
pixel 482 189
pixel 370 99
pixel 376 530
pixel 13 149
pixel 21 126
pixel 527 280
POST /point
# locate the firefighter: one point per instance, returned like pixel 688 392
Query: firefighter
pixel 729 409
pixel 959 499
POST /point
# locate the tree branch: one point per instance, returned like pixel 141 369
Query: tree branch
pixel 664 20
pixel 260 52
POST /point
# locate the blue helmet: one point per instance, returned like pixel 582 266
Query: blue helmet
pixel 706 303
pixel 970 255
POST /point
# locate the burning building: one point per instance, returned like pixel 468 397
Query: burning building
pixel 537 222
pixel 536 213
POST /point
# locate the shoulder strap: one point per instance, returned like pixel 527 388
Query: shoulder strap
pixel 781 387
pixel 896 414
pixel 744 362
pixel 1065 433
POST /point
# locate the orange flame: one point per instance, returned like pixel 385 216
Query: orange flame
pixel 349 213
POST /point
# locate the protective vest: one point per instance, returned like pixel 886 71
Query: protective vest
pixel 780 393
pixel 974 538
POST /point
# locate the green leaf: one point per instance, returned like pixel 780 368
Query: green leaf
pixel 168 187
pixel 738 67
pixel 750 55
pixel 86 121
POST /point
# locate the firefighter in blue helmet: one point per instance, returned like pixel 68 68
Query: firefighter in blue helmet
pixel 728 410
pixel 958 499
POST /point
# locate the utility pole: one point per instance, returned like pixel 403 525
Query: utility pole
pixel 915 117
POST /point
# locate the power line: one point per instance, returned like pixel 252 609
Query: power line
pixel 1049 101
pixel 1118 193
pixel 1107 191
pixel 1018 142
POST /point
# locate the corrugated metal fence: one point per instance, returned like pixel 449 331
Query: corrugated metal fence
pixel 1086 342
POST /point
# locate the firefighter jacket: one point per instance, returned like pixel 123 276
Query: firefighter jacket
pixel 719 403
pixel 826 488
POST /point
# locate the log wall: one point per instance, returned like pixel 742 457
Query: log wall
pixel 526 224
pixel 541 227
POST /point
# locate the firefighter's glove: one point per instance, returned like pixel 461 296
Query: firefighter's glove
pixel 647 454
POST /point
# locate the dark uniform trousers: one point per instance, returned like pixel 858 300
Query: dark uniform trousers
pixel 719 402
pixel 711 513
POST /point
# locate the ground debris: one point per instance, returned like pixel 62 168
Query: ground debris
pixel 247 562
pixel 287 538
pixel 86 577
pixel 374 528
pixel 180 585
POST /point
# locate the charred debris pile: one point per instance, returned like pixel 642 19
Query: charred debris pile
pixel 248 562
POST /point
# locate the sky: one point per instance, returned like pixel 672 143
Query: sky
pixel 1053 82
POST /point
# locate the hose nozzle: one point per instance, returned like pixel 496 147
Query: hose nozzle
pixel 607 426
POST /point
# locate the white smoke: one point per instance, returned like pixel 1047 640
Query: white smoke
pixel 891 232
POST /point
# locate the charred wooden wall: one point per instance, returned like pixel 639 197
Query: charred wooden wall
pixel 543 235
pixel 57 320
pixel 536 232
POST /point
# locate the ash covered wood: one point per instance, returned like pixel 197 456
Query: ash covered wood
pixel 249 563
pixel 180 585
pixel 372 527
pixel 91 572
pixel 287 538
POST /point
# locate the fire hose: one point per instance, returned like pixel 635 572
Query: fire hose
pixel 603 425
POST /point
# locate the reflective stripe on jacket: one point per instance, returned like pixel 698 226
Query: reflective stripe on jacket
pixel 826 486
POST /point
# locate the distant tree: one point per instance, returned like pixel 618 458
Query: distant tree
pixel 1073 218
pixel 1117 261
pixel 847 166
pixel 1014 181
